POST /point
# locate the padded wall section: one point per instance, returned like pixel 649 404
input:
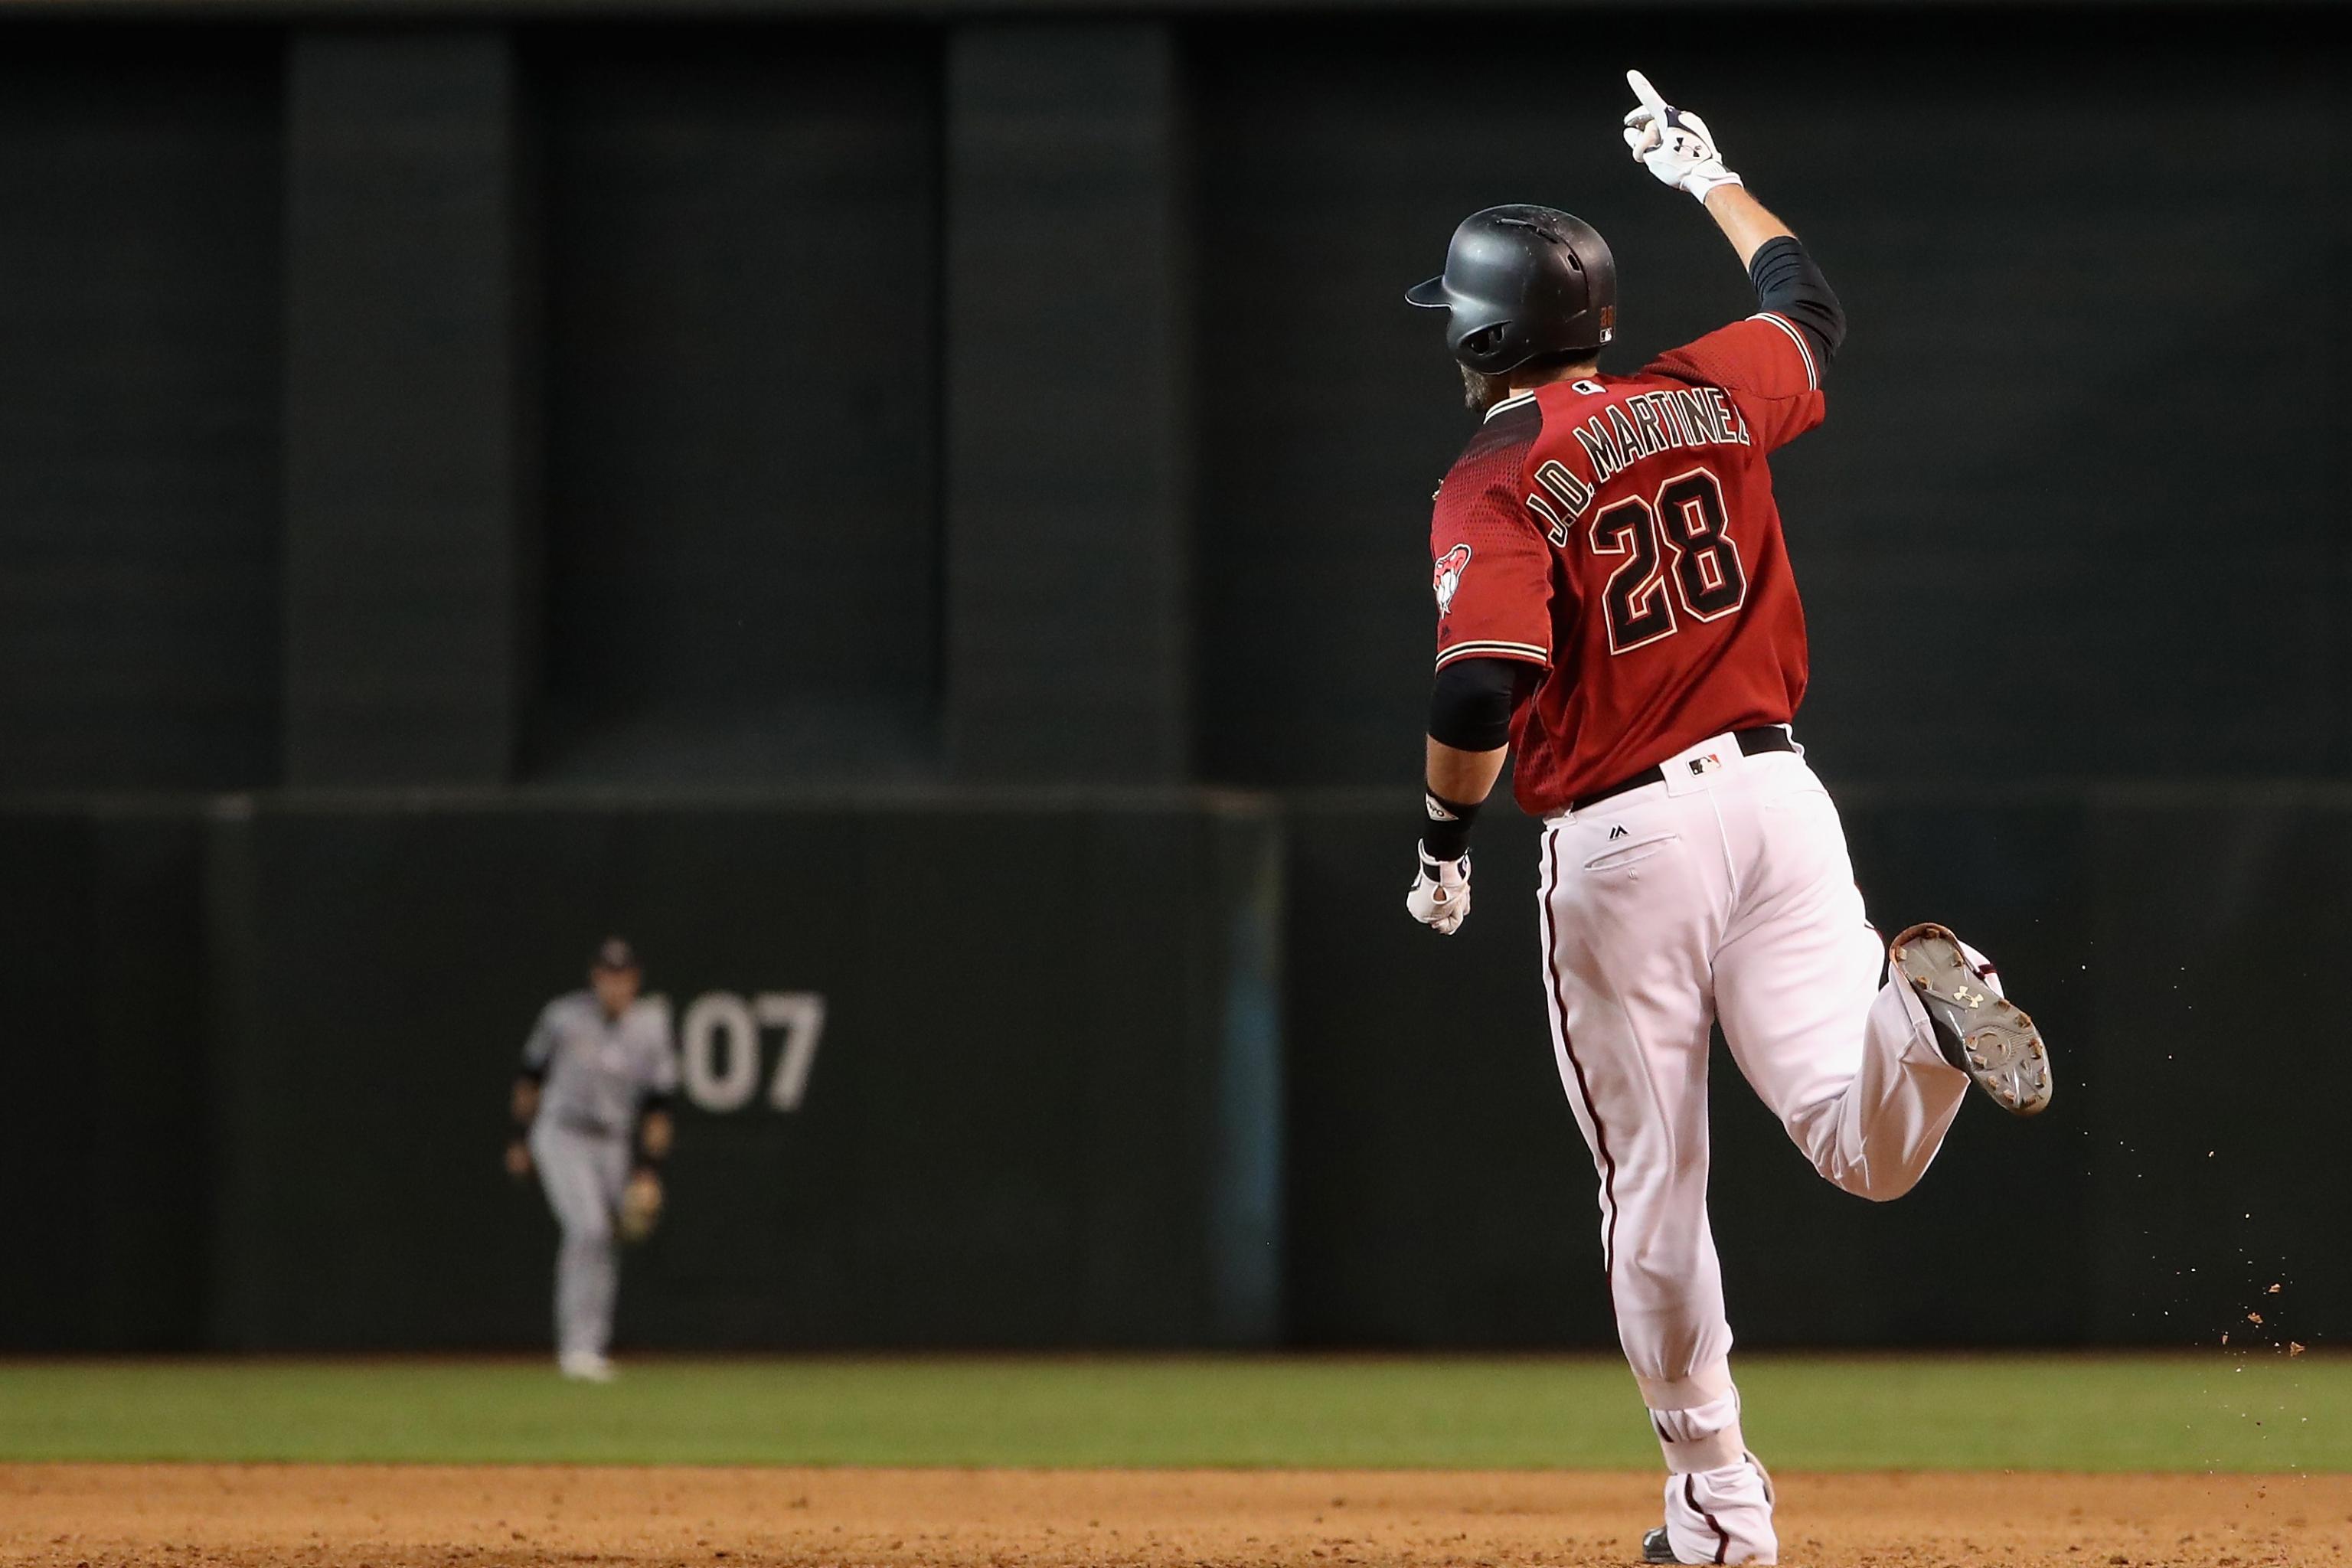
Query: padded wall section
pixel 269 1051
pixel 1019 1125
pixel 139 336
pixel 101 922
pixel 2040 498
pixel 2221 1067
pixel 1439 1194
pixel 742 543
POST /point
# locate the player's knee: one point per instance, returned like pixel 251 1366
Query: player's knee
pixel 1878 1186
pixel 1815 1131
pixel 589 1235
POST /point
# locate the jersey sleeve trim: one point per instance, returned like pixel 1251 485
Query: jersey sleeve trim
pixel 1526 651
pixel 1796 336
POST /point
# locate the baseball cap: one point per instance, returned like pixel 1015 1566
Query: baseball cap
pixel 614 952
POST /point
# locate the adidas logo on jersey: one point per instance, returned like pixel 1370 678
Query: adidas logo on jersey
pixel 1616 833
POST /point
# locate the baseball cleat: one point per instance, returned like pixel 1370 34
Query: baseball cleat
pixel 1658 1546
pixel 1979 1031
pixel 585 1367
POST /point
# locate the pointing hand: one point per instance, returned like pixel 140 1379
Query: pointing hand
pixel 1673 143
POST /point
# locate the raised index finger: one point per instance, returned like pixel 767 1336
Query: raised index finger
pixel 1649 96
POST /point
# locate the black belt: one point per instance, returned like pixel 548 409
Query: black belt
pixel 589 1126
pixel 1770 737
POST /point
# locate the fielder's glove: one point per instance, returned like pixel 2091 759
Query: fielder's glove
pixel 1441 894
pixel 640 1207
pixel 1673 143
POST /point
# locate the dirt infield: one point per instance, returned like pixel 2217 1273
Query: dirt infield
pixel 389 1517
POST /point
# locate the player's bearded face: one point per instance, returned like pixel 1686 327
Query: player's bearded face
pixel 615 988
pixel 1481 391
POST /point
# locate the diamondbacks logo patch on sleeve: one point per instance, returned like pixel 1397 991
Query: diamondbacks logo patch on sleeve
pixel 1450 567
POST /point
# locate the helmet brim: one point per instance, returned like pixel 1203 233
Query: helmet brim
pixel 1430 295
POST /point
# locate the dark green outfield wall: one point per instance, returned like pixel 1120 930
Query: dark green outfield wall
pixel 1034 1115
pixel 109 1056
pixel 269 1052
pixel 2175 945
pixel 1128 1073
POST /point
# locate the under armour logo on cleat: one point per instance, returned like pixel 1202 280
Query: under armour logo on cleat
pixel 1616 833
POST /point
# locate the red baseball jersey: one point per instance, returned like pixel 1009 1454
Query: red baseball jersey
pixel 1620 533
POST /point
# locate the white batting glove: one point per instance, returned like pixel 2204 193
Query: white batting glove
pixel 1441 894
pixel 1673 143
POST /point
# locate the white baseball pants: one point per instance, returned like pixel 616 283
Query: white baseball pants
pixel 1724 891
pixel 583 1176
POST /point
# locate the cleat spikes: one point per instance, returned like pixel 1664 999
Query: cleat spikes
pixel 1978 1031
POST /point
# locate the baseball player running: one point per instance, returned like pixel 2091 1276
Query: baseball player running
pixel 592 1115
pixel 1615 607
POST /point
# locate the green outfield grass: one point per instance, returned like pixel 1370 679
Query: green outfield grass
pixel 2188 1412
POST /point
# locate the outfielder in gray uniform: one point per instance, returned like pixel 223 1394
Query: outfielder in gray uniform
pixel 592 1115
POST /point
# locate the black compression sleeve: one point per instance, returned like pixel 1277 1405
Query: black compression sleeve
pixel 1469 710
pixel 1788 284
pixel 1445 827
pixel 1470 705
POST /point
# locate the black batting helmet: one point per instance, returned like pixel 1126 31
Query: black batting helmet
pixel 1522 281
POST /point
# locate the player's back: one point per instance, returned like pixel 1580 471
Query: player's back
pixel 1621 531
